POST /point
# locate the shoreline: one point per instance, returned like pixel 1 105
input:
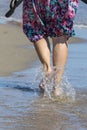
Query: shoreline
pixel 16 51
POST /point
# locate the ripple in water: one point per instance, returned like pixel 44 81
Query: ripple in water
pixel 66 91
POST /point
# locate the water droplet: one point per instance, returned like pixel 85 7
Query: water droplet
pixel 50 83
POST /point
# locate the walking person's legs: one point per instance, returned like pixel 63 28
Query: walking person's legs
pixel 43 50
pixel 60 52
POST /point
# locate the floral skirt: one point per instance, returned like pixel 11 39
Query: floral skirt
pixel 43 18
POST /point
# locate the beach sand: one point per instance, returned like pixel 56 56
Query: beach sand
pixel 16 52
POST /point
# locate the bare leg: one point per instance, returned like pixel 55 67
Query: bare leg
pixel 48 43
pixel 60 53
pixel 43 51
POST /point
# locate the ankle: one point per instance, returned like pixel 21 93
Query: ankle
pixel 47 69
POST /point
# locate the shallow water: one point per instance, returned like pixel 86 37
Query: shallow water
pixel 23 107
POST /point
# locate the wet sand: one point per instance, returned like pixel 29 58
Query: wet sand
pixel 16 52
pixel 22 106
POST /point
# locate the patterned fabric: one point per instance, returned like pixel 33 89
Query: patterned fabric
pixel 43 18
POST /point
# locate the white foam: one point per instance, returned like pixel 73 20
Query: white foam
pixel 80 25
pixel 4 20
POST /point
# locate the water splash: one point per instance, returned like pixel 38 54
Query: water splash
pixel 50 83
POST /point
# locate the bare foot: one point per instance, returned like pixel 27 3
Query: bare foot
pixel 57 91
pixel 44 81
pixel 41 86
pixel 57 88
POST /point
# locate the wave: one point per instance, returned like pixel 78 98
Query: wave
pixel 81 25
pixel 4 20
